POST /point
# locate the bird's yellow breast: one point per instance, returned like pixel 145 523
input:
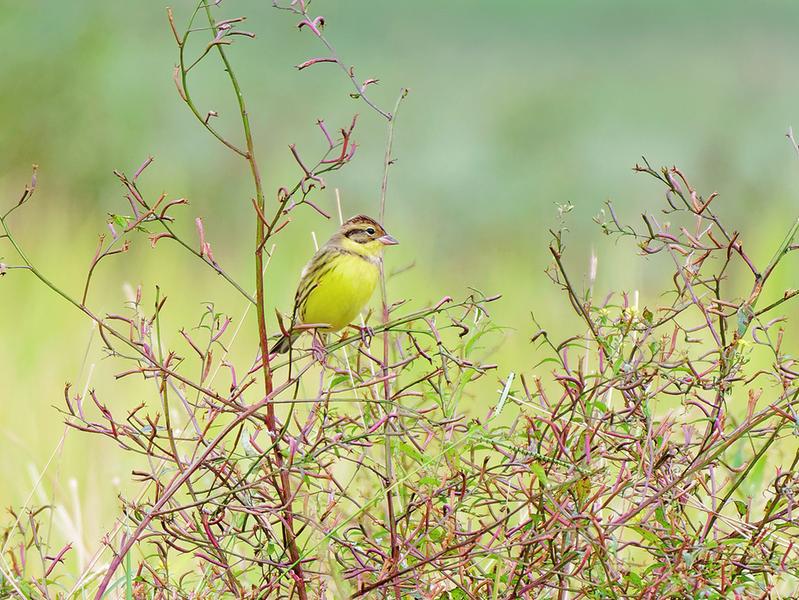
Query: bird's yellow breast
pixel 342 292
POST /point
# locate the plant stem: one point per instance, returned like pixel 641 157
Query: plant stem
pixel 388 428
pixel 174 486
pixel 284 488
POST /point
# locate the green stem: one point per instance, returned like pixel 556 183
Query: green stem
pixel 388 429
pixel 284 489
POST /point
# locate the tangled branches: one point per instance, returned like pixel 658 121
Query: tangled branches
pixel 620 465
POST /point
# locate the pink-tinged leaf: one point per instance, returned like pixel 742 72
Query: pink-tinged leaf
pixel 144 165
pixel 198 222
pixel 321 124
pixel 222 330
pixel 191 343
pixel 314 61
pixel 57 559
pixel 169 205
pixel 316 25
pixel 178 84
pixel 154 239
pixel 205 557
pixel 208 253
pixel 227 23
pixel 171 18
pixel 233 381
pixel 316 208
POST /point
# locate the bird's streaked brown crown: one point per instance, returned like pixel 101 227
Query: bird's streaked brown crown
pixel 363 229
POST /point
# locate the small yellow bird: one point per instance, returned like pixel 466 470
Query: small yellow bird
pixel 340 278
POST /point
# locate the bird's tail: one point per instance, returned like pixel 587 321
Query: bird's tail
pixel 284 344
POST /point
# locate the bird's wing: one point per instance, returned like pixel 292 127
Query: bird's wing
pixel 321 263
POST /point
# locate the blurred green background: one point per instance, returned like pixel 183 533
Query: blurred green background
pixel 515 107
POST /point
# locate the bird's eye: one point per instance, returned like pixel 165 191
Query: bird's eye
pixel 370 230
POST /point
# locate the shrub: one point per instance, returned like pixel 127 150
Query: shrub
pixel 616 468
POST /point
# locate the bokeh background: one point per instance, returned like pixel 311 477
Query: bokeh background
pixel 516 107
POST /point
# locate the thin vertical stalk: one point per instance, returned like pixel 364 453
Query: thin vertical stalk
pixel 388 428
pixel 387 161
pixel 284 487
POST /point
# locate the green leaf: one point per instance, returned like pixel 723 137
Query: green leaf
pixel 128 578
pixel 741 507
pixel 745 315
pixel 436 534
pixel 272 550
pixel 540 473
pixel 544 361
pixel 660 517
pixel 647 535
pixel 688 558
pixel 339 379
pixel 411 451
pixel 456 594
pixel 505 393
pixel 635 579
pixel 597 405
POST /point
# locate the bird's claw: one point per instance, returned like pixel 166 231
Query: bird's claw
pixel 318 351
pixel 366 333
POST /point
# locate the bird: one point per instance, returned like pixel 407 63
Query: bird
pixel 339 280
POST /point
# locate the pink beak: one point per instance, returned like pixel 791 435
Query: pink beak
pixel 388 240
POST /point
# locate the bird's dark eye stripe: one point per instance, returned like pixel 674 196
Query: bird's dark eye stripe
pixel 353 232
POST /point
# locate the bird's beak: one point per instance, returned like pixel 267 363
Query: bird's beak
pixel 388 240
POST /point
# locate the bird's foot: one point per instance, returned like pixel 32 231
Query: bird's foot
pixel 318 351
pixel 366 333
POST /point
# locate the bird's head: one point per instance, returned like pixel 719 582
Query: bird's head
pixel 363 235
